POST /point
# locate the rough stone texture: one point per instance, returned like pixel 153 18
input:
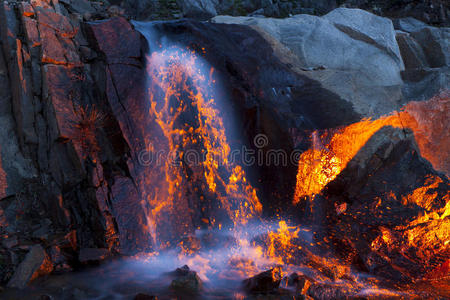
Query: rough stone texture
pixel 423 84
pixel 105 34
pixel 378 220
pixel 412 53
pixel 334 50
pixel 46 189
pixel 186 281
pixel 436 45
pixel 264 282
pixel 35 264
pixel 425 52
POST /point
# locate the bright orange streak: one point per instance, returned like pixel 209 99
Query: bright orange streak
pixel 187 91
pixel 428 120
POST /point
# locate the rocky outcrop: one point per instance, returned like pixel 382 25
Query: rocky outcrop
pixel 48 191
pixel 425 53
pixel 35 264
pixel 379 208
pixel 334 49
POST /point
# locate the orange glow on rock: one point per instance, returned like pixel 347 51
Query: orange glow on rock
pixel 323 162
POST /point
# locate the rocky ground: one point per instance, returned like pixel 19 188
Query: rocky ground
pixel 71 100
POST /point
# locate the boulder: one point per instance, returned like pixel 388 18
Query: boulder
pixel 334 49
pixel 36 263
pixel 198 9
pixel 186 280
pixel 436 45
pixel 387 190
pixel 425 51
pixel 264 282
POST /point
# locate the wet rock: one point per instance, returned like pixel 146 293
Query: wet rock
pixel 35 264
pixel 186 280
pixel 264 282
pixel 93 255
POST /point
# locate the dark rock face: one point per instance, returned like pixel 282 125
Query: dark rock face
pixel 48 195
pixel 264 282
pixel 263 96
pixel 36 263
pixel 186 281
pixel 383 211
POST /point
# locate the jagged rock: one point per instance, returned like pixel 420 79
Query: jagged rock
pixel 36 263
pixel 412 52
pixel 26 9
pixel 409 24
pixel 31 32
pixel 57 22
pixel 380 187
pixel 435 43
pixel 198 9
pixel 115 38
pixel 186 280
pixel 264 282
pixel 93 255
pixel 79 6
pixel 335 48
pixel 423 84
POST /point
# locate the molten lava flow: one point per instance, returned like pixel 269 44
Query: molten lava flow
pixel 428 120
pixel 280 246
pixel 183 104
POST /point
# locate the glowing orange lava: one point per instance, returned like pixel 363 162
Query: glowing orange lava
pixel 428 120
pixel 182 102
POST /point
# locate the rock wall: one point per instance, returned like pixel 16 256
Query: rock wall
pixel 51 175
